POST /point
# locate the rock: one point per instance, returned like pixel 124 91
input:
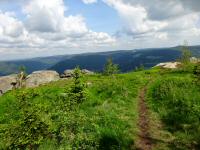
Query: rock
pixel 41 77
pixel 7 83
pixel 194 60
pixel 67 73
pixel 169 65
pixel 87 72
pixel 62 76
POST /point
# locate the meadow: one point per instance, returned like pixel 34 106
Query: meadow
pixel 102 113
pixel 174 101
pixel 43 118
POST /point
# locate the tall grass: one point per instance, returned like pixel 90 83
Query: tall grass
pixel 106 119
pixel 177 100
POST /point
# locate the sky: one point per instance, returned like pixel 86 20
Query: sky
pixel 34 28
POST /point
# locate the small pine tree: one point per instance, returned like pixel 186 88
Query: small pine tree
pixel 186 54
pixel 110 68
pixel 30 130
pixel 22 69
pixel 140 68
pixel 77 92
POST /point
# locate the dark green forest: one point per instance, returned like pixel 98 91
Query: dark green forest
pixel 128 60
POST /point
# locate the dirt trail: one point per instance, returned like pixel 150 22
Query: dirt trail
pixel 144 141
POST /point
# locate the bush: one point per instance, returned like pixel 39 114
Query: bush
pixel 186 54
pixel 77 92
pixel 196 73
pixel 29 131
pixel 140 68
pixel 110 68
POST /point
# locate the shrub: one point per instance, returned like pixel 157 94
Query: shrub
pixel 77 92
pixel 196 73
pixel 29 131
pixel 140 68
pixel 186 54
pixel 110 68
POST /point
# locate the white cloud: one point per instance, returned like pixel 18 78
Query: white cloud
pixel 152 21
pixel 135 17
pixel 47 28
pixel 50 17
pixel 10 26
pixel 89 1
pixel 54 24
pixel 162 36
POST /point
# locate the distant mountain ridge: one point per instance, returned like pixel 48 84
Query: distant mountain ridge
pixel 34 64
pixel 127 60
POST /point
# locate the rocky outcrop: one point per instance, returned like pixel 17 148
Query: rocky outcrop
pixel 7 83
pixel 69 73
pixel 169 65
pixel 194 60
pixel 35 79
pixel 87 72
pixel 41 77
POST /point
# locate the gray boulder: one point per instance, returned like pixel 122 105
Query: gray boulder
pixel 67 73
pixel 87 72
pixel 169 65
pixel 7 83
pixel 194 60
pixel 41 77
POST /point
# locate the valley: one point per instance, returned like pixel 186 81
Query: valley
pixel 127 60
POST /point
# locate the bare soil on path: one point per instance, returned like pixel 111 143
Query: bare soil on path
pixel 144 140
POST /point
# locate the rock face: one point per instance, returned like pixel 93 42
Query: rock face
pixel 41 77
pixel 87 72
pixel 169 65
pixel 35 79
pixel 7 83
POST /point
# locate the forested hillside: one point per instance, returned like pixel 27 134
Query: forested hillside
pixel 9 67
pixel 127 60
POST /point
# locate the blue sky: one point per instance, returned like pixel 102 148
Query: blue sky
pixel 32 28
pixel 99 16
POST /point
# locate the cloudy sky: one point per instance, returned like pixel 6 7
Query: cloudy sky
pixel 31 28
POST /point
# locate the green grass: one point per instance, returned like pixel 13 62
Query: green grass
pixel 174 99
pixel 107 119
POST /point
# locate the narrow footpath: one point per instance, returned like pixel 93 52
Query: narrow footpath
pixel 144 141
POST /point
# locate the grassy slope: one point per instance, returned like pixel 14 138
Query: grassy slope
pixel 174 102
pixel 108 118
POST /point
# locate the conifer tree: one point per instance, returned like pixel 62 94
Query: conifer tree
pixel 110 68
pixel 186 54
